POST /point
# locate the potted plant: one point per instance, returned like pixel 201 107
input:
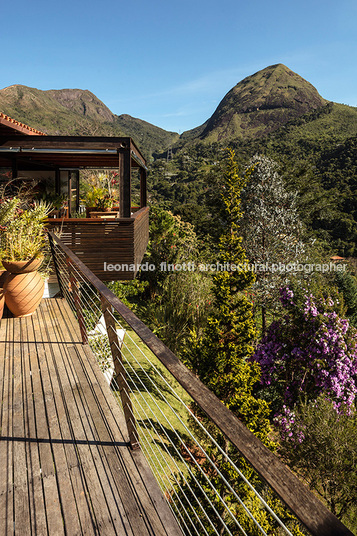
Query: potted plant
pixel 91 198
pixel 22 243
pixel 104 204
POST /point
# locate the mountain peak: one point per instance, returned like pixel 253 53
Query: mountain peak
pixel 262 102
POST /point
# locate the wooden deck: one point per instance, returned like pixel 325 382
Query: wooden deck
pixel 66 468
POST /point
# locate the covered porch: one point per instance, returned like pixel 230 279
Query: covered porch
pixel 115 238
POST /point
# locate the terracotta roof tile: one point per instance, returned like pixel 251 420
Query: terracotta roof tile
pixel 12 123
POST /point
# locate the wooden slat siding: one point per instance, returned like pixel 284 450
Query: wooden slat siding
pixel 141 235
pixel 318 520
pixel 95 242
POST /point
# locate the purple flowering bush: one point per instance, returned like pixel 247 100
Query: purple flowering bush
pixel 311 351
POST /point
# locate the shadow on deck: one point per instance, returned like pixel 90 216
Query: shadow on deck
pixel 66 467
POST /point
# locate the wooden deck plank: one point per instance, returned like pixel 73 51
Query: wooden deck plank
pixel 104 504
pixel 36 490
pixel 67 497
pixel 52 502
pixel 147 506
pixel 6 446
pixel 140 506
pixel 130 463
pixel 73 473
pixel 22 520
pixel 65 434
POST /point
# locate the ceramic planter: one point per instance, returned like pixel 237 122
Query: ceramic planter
pixel 3 275
pixel 21 267
pixel 23 286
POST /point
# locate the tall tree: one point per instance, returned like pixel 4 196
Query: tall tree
pixel 220 355
pixel 272 231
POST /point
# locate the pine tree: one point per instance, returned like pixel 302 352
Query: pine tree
pixel 221 354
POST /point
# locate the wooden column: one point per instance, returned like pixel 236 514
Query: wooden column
pixel 77 301
pixel 57 181
pixel 143 187
pixel 125 183
pixel 14 170
pixel 120 374
pixel 55 262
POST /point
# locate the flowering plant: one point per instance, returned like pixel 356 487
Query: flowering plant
pixel 101 203
pixel 309 352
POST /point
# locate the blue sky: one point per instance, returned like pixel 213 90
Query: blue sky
pixel 170 63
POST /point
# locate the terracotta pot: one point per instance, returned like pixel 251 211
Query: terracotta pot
pixel 89 210
pixel 23 292
pixel 3 276
pixel 22 267
pixel 2 302
pixel 23 286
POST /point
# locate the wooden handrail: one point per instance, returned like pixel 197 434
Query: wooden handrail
pixel 135 216
pixel 312 513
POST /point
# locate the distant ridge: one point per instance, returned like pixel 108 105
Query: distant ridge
pixel 79 112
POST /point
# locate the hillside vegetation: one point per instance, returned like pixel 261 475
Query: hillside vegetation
pixel 273 112
pixel 79 112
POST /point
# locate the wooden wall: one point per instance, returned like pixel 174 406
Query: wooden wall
pixel 114 242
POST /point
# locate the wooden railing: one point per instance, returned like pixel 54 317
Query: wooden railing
pixel 311 512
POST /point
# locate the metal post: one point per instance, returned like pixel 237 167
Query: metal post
pixel 143 187
pixel 120 375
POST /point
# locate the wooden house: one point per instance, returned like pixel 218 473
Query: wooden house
pixel 118 239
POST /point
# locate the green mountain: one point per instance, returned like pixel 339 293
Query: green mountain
pixel 277 113
pixel 79 112
pixel 259 104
